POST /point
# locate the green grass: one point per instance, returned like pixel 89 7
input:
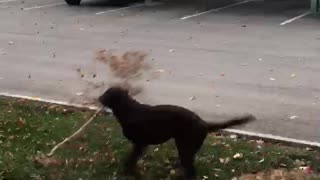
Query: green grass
pixel 30 129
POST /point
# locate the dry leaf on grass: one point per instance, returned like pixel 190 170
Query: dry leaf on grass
pixel 20 122
pixel 238 156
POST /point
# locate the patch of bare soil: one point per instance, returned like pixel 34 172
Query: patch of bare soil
pixel 47 161
pixel 278 174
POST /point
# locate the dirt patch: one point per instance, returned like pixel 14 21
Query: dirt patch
pixel 277 174
pixel 47 161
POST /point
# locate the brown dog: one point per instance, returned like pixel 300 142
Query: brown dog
pixel 147 125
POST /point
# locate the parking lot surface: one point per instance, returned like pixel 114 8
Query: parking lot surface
pixel 260 57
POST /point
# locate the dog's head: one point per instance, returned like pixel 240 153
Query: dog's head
pixel 114 97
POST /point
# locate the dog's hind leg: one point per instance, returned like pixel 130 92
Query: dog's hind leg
pixel 187 149
pixel 131 161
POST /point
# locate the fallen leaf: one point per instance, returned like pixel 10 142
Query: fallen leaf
pixel 262 160
pixel 53 106
pixel 20 122
pixel 283 165
pixel 233 136
pixel 309 149
pixel 306 169
pixel 172 50
pixel 8 154
pixel 172 172
pixel 36 177
pixel 192 98
pixel 160 70
pixel 11 43
pixel 293 117
pixel 259 141
pixel 224 161
pixel 238 156
pixel 79 93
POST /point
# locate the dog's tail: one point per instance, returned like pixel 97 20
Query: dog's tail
pixel 230 123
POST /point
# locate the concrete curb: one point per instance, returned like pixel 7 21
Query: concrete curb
pixel 248 134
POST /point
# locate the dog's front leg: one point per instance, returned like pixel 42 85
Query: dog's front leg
pixel 131 161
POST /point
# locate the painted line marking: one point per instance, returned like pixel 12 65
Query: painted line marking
pixel 44 6
pixel 5 1
pixel 295 18
pixel 247 133
pixel 119 9
pixel 214 10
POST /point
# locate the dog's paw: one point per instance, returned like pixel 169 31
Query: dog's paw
pixel 131 171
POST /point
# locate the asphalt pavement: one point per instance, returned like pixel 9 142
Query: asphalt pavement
pixel 259 57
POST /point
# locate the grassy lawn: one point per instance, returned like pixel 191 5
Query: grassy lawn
pixel 30 129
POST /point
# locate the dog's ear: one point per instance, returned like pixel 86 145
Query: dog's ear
pixel 113 97
pixel 103 99
pixel 125 91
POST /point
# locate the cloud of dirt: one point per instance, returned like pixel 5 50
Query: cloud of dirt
pixel 126 69
pixel 127 66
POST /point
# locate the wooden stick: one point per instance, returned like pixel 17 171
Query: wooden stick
pixel 75 133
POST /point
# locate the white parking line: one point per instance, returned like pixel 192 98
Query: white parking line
pixel 38 7
pixel 236 131
pixel 119 9
pixel 5 1
pixel 214 10
pixel 295 18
